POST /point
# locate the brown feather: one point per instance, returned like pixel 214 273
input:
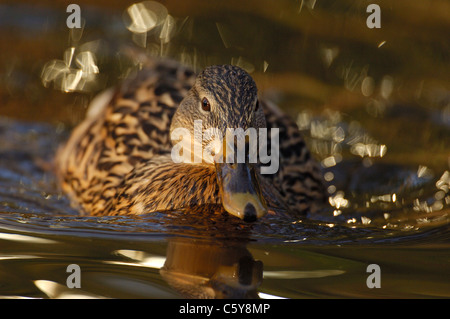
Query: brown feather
pixel 118 161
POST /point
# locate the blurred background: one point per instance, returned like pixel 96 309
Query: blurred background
pixel 312 57
pixel 373 105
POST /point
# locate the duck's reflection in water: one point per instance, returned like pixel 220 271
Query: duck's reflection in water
pixel 206 256
pixel 212 269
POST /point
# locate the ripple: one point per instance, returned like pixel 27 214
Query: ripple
pixel 31 204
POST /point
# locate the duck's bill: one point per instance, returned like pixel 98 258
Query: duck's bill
pixel 240 190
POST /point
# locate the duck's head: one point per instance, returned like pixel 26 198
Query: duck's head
pixel 208 127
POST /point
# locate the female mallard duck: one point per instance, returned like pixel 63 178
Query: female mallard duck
pixel 119 160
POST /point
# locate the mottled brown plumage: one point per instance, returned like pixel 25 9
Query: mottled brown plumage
pixel 117 161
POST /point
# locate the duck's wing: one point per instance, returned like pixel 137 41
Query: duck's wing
pixel 299 178
pixel 124 127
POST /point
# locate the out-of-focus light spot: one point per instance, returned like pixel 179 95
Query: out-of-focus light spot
pixel 337 212
pixel 92 46
pixel 338 200
pixel 168 29
pixel 333 116
pixel 243 63
pixel 382 150
pixel 422 220
pixel 86 62
pixel 300 6
pixel 444 182
pixel 365 220
pixel 422 206
pixel 367 86
pixel 424 172
pixel 140 39
pixel 371 150
pixel 66 78
pixel 351 221
pixel 381 44
pixel 265 66
pixel 144 16
pixel 68 56
pixel 338 134
pixel 386 215
pixel 310 3
pixel 439 195
pixel 384 198
pixel 189 57
pixel 329 161
pixel 328 176
pixel 437 205
pixel 54 71
pixel 376 108
pixel 331 189
pixel 387 86
pixel 353 76
pixel 328 55
pixel 71 81
pixel 329 137
pixel 304 120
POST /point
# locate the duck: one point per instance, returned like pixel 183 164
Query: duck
pixel 132 154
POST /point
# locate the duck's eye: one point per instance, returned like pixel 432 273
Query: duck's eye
pixel 257 105
pixel 205 105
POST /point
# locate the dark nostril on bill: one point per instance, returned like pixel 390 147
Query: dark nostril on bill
pixel 249 213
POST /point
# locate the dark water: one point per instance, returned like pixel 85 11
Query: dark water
pixel 377 116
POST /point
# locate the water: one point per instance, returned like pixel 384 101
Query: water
pixel 375 114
